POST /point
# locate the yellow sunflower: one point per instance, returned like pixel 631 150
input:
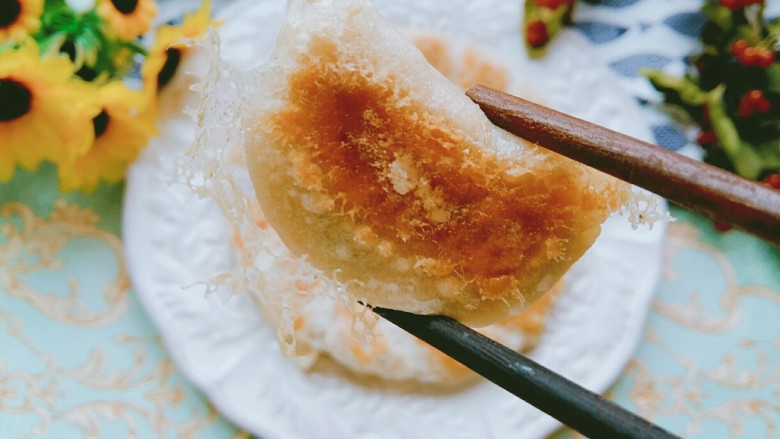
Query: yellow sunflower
pixel 19 18
pixel 44 112
pixel 127 19
pixel 119 134
pixel 171 45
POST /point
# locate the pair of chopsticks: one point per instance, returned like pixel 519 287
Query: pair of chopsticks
pixel 695 185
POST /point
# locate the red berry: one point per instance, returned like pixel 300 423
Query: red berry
pixel 731 4
pixel 745 108
pixel 706 138
pixel 738 48
pixel 754 56
pixel 760 102
pixel 536 33
pixel 722 226
pixel 553 4
pixel 765 58
pixel 772 180
pixel 752 102
pixel 550 4
pixel 762 106
pixel 749 56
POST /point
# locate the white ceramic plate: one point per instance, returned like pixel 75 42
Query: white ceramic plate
pixel 175 240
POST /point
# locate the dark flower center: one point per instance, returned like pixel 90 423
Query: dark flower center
pixel 69 49
pixel 9 12
pixel 85 72
pixel 125 6
pixel 173 57
pixel 100 123
pixel 15 100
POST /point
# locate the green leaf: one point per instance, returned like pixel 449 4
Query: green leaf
pixel 746 160
pixel 770 154
pixel 717 14
pixel 748 163
pixel 88 48
pixel 773 26
pixel 689 92
pixel 773 78
pixel 55 4
pixel 52 43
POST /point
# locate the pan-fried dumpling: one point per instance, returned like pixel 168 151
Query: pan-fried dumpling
pixel 326 327
pixel 384 175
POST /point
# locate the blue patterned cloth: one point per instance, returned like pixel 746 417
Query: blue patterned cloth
pixel 635 35
pixel 631 35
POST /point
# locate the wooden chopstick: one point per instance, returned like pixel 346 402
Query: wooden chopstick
pixel 573 405
pixel 706 189
pixel 700 187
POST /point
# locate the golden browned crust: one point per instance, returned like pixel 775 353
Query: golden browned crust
pixel 379 172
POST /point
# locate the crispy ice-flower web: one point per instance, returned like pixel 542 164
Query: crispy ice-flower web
pixel 215 168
